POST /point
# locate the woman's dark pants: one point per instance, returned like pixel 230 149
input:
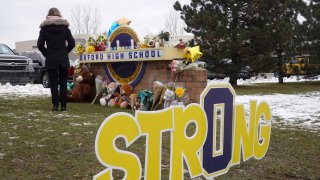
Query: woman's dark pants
pixel 58 77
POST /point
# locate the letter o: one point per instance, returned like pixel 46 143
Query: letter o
pixel 215 165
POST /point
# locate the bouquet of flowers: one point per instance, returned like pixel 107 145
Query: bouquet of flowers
pixel 74 69
pixel 79 49
pixel 182 98
pixel 77 68
pixel 91 43
pixel 164 35
pixel 146 99
pixel 157 91
pixel 177 66
pixel 99 87
pixel 100 44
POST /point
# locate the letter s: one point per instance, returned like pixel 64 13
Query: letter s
pixel 115 126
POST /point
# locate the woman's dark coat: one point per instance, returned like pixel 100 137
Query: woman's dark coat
pixel 55 33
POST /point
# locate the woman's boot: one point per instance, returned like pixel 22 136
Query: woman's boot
pixel 63 107
pixel 55 107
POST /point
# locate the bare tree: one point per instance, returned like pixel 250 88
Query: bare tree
pixel 174 24
pixel 85 20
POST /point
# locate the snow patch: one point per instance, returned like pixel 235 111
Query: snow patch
pixel 66 134
pixel 298 110
pixel 2 155
pixel 75 124
pixel 9 91
pixel 264 78
pixel 294 109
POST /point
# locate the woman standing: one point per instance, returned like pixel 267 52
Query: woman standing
pixel 52 40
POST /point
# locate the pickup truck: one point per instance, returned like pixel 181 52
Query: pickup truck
pixel 15 69
pixel 41 73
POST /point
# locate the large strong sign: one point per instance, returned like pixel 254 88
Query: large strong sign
pixel 222 136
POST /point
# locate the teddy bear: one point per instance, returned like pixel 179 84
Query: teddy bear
pixel 112 92
pixel 122 100
pixel 84 89
pixel 169 98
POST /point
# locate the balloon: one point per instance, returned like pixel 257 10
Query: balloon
pixel 113 27
pixel 193 54
pixel 123 21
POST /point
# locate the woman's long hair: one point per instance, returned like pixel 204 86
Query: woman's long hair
pixel 54 12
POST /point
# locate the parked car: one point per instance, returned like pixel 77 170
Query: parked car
pixel 15 69
pixel 41 73
pixel 212 75
pixel 38 65
pixel 244 73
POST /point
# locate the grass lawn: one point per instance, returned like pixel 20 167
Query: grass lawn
pixel 36 143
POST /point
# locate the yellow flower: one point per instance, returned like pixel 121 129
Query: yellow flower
pixel 77 71
pixel 179 92
pixel 90 49
pixel 79 49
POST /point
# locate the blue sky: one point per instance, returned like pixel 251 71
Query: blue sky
pixel 20 19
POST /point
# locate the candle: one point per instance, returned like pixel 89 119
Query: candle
pixel 118 44
pixel 157 44
pixel 109 45
pixel 132 44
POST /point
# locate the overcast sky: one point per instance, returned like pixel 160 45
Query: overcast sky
pixel 20 19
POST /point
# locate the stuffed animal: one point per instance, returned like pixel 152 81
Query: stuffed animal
pixel 169 97
pixel 112 92
pixel 134 102
pixel 180 44
pixel 84 90
pixel 123 99
pixel 149 41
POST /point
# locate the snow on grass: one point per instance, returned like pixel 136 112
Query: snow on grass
pixel 294 109
pixel 8 91
pixel 66 134
pixel 89 124
pixel 269 78
pixel 75 124
pixel 265 78
pixel 14 137
pixel 301 110
pixel 2 155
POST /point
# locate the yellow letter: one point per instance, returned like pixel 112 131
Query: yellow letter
pixel 104 175
pixel 244 133
pixel 115 126
pixel 184 146
pixel 260 149
pixel 153 124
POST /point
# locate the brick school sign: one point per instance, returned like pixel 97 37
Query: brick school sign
pixel 140 67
